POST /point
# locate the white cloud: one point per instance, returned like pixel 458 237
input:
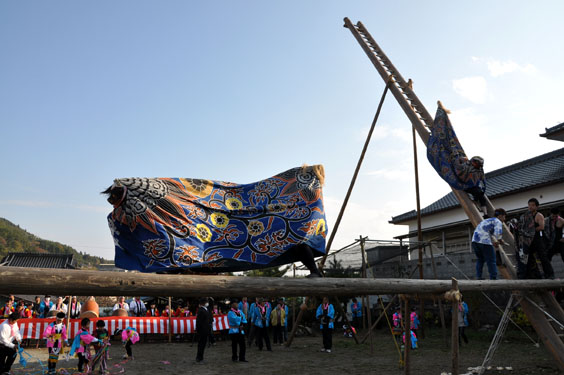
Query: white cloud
pixel 474 89
pixel 498 68
pixel 392 174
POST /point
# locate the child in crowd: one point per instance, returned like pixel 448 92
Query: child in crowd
pixel 56 335
pixel 129 336
pixel 101 347
pixel 81 343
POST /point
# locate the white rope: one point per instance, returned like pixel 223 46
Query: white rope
pixel 498 336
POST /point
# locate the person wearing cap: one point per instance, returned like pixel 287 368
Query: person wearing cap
pixel 237 322
pixel 487 235
pixel 9 332
pixel 56 335
pixel 202 328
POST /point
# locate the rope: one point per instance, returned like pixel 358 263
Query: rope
pixel 401 362
pixel 536 343
pixel 498 336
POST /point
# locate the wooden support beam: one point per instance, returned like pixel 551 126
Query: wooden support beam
pixel 100 283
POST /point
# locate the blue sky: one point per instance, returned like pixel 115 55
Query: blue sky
pixel 241 90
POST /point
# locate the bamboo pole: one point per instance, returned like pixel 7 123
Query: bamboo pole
pixel 101 283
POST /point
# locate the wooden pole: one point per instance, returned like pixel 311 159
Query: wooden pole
pixel 454 328
pixel 355 174
pixel 441 309
pixel 100 283
pixel 407 333
pixel 169 319
pixel 419 232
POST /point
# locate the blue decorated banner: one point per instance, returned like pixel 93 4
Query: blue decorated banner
pixel 167 224
pixel 447 156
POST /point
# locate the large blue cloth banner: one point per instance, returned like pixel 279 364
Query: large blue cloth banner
pixel 167 224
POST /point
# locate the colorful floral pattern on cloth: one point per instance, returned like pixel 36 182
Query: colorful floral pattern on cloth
pixel 165 224
pixel 447 156
pixel 129 334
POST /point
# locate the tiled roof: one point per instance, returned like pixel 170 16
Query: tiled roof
pixel 36 260
pixel 556 132
pixel 541 170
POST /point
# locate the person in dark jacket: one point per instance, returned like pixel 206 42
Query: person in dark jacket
pixel 202 328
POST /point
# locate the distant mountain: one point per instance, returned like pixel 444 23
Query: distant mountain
pixel 14 239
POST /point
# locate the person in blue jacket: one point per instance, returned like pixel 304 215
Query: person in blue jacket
pixel 462 320
pixel 326 315
pixel 261 317
pixel 356 309
pixel 237 322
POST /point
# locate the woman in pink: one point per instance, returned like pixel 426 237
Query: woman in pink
pixel 81 343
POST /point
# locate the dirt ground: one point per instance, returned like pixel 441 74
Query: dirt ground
pixel 304 356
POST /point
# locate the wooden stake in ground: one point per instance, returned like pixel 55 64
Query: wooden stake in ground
pixel 455 298
pixel 441 309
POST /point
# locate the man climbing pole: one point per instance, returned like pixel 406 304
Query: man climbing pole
pixel 448 158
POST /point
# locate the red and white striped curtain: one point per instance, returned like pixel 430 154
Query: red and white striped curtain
pixel 34 328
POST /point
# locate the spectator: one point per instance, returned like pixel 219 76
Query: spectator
pixel 202 328
pixel 121 304
pixel 262 321
pixel 237 321
pixel 137 307
pixel 277 319
pixel 45 307
pixel 356 310
pixel 74 308
pixel 59 306
pixel 326 314
pixel 153 311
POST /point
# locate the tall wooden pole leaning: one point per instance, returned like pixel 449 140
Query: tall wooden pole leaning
pixel 340 216
pixel 367 298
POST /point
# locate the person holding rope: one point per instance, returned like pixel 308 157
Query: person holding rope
pixel 81 344
pixel 326 314
pixel 56 335
pixel 9 332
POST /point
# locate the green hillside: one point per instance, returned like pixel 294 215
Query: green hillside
pixel 18 240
